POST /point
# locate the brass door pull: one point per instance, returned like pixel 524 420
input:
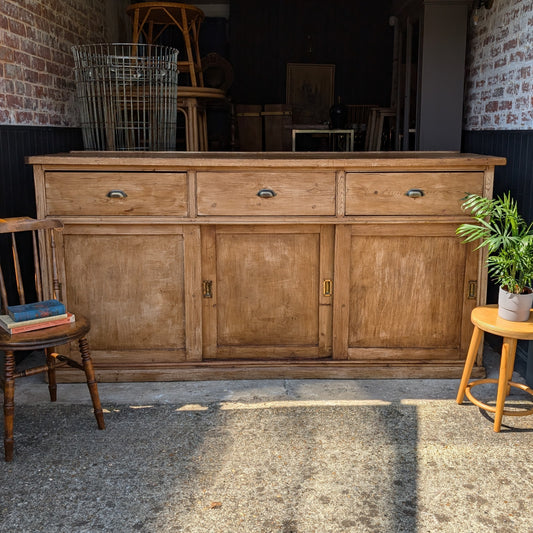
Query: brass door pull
pixel 207 288
pixel 472 289
pixel 327 287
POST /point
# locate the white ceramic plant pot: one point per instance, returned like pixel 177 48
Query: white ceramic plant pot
pixel 514 307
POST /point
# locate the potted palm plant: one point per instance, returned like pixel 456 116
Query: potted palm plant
pixel 509 241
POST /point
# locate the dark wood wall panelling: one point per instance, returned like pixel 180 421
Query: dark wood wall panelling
pixel 516 177
pixel 17 193
pixel 355 36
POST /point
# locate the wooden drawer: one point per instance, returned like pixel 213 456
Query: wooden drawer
pixel 238 193
pixel 116 193
pixel 409 193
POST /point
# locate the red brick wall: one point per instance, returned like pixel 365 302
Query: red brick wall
pixel 499 82
pixel 36 65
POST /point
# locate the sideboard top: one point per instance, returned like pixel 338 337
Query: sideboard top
pixel 331 160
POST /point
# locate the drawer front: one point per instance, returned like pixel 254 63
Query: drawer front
pixel 265 193
pixel 116 193
pixel 409 193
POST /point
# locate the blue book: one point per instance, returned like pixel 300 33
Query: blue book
pixel 36 310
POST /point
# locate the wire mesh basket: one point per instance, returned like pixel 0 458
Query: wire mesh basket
pixel 127 96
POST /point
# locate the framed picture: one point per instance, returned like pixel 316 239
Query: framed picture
pixel 311 91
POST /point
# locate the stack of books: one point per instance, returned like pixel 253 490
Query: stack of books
pixel 38 315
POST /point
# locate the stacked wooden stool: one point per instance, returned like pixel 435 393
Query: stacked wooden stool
pixel 149 21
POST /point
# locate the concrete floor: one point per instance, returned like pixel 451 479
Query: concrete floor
pixel 288 456
pixel 33 390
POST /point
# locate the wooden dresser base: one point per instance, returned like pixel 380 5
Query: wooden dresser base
pixel 268 265
pixel 228 370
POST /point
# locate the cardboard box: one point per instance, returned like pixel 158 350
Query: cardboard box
pixel 277 119
pixel 249 127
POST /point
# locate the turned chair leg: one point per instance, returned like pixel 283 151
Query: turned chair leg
pixel 510 360
pixel 91 382
pixel 9 404
pixel 506 373
pixel 52 385
pixel 469 363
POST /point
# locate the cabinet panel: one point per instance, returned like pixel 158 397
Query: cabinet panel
pixel 267 299
pixel 407 295
pixel 387 193
pixel 116 193
pixel 130 282
pixel 295 193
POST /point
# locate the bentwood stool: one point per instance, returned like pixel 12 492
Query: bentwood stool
pixel 192 102
pixel 151 19
pixel 485 318
pixel 39 281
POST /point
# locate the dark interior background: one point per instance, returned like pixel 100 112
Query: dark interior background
pixel 354 36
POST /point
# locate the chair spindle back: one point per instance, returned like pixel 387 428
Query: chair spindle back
pixel 32 227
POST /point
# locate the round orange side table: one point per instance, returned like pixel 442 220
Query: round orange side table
pixel 485 318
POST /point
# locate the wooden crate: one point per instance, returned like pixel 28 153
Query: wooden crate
pixel 359 114
pixel 250 127
pixel 277 120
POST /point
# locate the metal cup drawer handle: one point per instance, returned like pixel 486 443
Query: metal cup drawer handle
pixel 415 193
pixel 266 193
pixel 116 193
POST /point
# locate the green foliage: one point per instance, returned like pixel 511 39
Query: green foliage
pixel 507 237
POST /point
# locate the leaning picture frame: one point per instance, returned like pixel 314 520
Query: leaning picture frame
pixel 310 89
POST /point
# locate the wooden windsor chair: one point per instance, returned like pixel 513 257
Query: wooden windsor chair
pixel 38 236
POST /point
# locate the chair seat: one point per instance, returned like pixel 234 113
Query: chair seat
pixel 487 319
pixel 46 337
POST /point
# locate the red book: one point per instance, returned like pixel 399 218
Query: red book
pixel 42 325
